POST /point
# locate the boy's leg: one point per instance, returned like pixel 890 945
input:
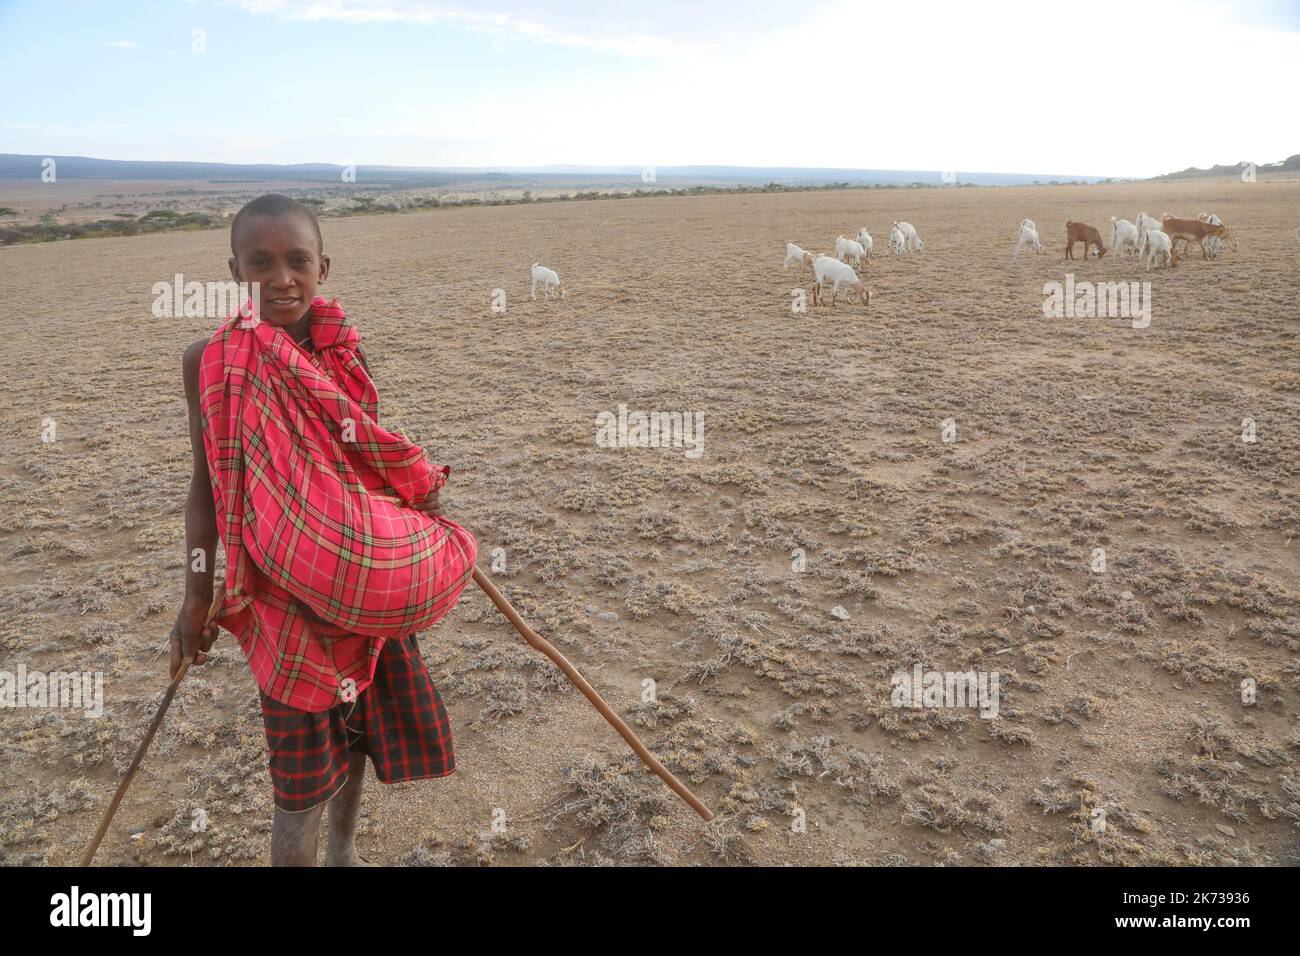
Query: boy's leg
pixel 309 763
pixel 345 809
pixel 295 836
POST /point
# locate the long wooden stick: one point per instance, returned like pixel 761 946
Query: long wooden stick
pixel 144 745
pixel 543 645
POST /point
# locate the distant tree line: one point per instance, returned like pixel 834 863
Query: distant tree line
pixel 169 220
pixel 122 224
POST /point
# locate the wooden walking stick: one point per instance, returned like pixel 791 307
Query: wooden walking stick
pixel 543 645
pixel 144 745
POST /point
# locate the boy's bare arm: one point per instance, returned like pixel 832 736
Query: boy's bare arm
pixel 190 636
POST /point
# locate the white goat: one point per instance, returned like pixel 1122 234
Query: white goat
pixel 849 249
pixel 549 280
pixel 1145 222
pixel 1029 223
pixel 794 256
pixel 909 235
pixel 896 241
pixel 827 269
pixel 1142 244
pixel 1123 237
pixel 864 240
pixel 1157 244
pixel 1028 237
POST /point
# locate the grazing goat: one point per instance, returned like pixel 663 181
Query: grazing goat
pixel 1193 230
pixel 864 240
pixel 550 282
pixel 1232 240
pixel 828 269
pixel 1082 232
pixel 910 238
pixel 849 249
pixel 794 255
pixel 1028 237
pixel 1142 241
pixel 1145 222
pixel 1123 236
pixel 1215 243
pixel 1158 246
pixel 896 241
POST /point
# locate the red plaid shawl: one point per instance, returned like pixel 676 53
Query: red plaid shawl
pixel 323 560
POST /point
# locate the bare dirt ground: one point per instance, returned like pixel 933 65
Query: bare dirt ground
pixel 1120 691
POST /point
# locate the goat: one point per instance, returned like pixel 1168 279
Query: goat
pixel 1215 243
pixel 896 241
pixel 1082 232
pixel 1123 236
pixel 1193 230
pixel 794 255
pixel 849 249
pixel 1028 237
pixel 1159 247
pixel 864 240
pixel 1145 222
pixel 549 280
pixel 829 269
pixel 910 237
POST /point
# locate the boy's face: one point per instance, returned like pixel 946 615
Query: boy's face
pixel 280 254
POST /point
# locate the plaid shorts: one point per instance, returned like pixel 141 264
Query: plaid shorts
pixel 399 720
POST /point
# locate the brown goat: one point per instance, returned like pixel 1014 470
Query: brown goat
pixel 1193 230
pixel 1082 232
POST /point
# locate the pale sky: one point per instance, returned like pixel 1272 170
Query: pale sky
pixel 1106 87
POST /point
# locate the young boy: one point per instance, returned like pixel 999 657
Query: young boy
pixel 336 549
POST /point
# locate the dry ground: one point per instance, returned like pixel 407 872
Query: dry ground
pixel 1120 691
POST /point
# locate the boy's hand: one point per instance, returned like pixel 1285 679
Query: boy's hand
pixel 430 505
pixel 191 635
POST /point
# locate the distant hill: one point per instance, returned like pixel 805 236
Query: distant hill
pixel 18 166
pixel 1289 165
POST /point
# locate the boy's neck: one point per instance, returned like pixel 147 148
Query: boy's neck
pixel 300 329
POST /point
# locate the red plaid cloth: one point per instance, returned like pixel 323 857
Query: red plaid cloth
pixel 324 560
pixel 399 720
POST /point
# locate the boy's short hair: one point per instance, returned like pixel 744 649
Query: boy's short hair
pixel 275 204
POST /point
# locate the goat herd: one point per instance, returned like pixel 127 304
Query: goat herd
pixel 836 270
pixel 1157 241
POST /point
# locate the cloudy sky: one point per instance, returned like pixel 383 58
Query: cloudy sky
pixel 1106 87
